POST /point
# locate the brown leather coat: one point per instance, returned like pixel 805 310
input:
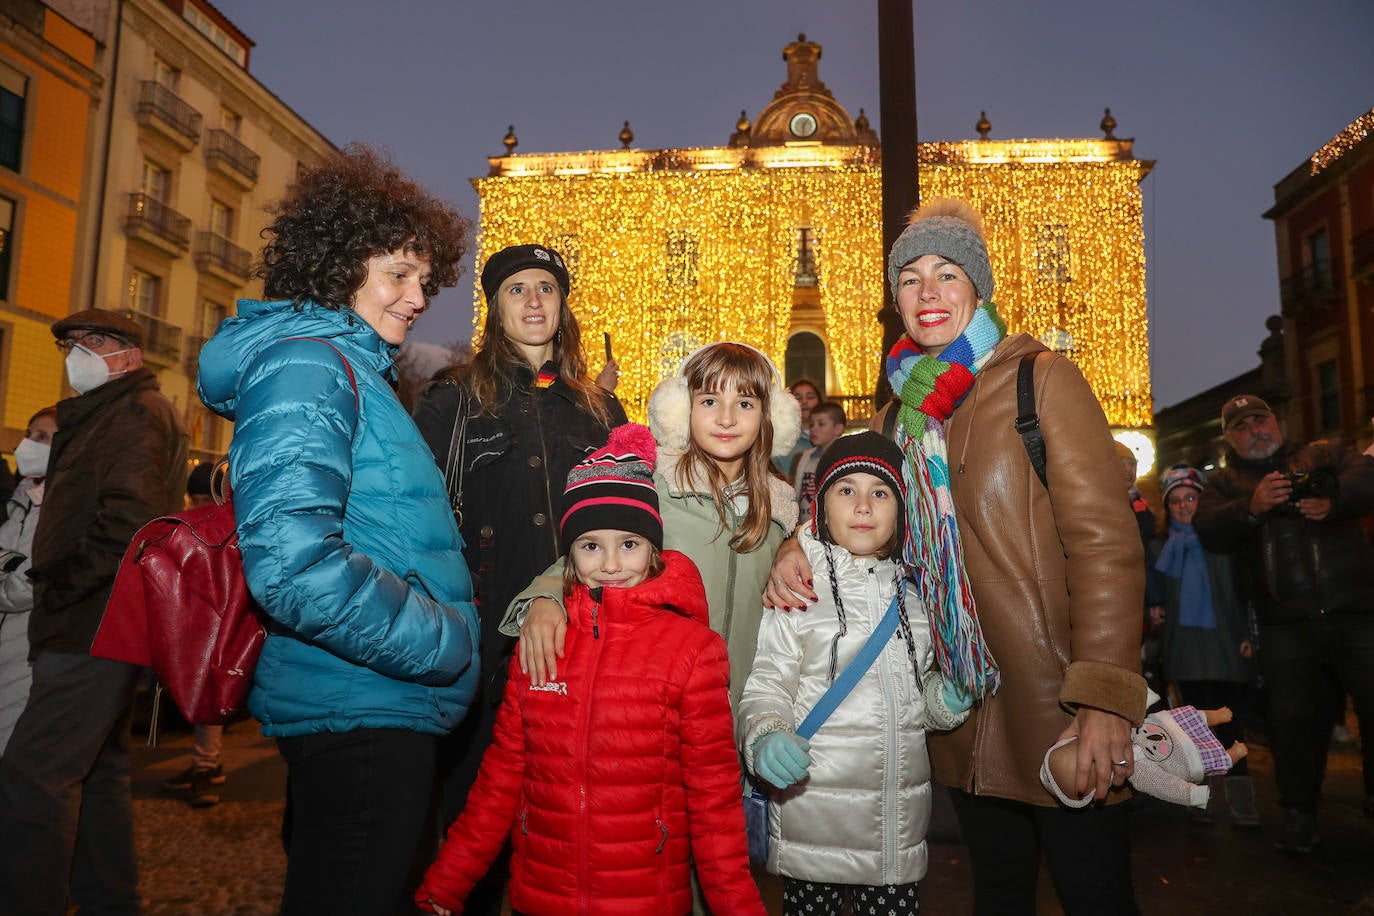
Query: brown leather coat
pixel 1057 576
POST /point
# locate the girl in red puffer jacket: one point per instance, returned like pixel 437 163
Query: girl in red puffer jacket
pixel 615 778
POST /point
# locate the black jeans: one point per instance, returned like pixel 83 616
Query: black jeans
pixel 358 805
pixel 1088 852
pixel 1291 658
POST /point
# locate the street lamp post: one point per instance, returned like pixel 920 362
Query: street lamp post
pixel 897 121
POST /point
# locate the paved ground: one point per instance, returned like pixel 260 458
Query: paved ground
pixel 228 859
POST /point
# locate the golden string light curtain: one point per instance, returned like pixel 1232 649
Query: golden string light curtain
pixel 668 259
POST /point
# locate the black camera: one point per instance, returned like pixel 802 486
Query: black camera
pixel 1318 483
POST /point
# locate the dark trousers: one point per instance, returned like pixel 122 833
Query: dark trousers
pixel 66 812
pixel 1214 695
pixel 358 805
pixel 1088 852
pixel 460 759
pixel 1291 658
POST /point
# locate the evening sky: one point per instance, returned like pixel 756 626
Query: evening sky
pixel 1227 96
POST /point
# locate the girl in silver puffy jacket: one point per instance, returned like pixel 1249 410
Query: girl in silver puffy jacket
pixel 848 817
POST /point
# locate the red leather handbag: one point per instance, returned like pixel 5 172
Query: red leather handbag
pixel 180 605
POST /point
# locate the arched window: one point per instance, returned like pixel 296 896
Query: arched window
pixel 805 358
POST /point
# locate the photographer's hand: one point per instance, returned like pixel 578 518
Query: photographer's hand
pixel 1315 509
pixel 1272 491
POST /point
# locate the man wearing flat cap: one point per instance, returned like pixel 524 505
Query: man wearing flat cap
pixel 118 460
pixel 1291 515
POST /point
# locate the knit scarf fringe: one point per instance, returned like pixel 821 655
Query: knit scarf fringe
pixel 930 388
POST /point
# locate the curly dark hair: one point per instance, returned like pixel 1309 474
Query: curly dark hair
pixel 349 208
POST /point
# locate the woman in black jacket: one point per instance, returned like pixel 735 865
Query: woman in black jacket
pixel 506 429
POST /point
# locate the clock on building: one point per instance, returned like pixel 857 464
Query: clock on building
pixel 803 124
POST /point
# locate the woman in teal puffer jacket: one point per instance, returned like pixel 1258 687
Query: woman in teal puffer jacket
pixel 347 537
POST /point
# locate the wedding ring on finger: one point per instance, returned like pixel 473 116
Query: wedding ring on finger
pixel 1120 763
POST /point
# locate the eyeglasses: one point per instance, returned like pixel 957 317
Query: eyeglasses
pixel 89 341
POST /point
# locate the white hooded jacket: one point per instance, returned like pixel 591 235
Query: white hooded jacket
pixel 861 814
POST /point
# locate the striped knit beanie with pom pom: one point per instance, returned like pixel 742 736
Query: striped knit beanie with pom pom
pixel 613 488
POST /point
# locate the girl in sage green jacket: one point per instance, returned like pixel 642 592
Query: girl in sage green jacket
pixel 716 423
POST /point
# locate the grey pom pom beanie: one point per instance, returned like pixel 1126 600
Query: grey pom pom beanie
pixel 949 237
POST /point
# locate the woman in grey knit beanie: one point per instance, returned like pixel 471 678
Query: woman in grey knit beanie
pixel 1033 589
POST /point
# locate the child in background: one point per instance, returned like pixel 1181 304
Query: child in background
pixel 851 819
pixel 827 424
pixel 716 422
pixel 613 778
pixel 25 504
pixel 807 394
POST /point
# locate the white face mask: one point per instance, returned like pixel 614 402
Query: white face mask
pixel 86 370
pixel 32 458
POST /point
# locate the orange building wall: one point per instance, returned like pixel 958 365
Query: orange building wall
pixel 47 254
pixel 48 196
pixel 69 39
pixel 59 135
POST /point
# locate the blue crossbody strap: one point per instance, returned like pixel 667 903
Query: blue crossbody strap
pixel 852 673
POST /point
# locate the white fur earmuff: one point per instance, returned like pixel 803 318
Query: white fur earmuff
pixel 670 408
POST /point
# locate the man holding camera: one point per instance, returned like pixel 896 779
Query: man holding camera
pixel 1292 517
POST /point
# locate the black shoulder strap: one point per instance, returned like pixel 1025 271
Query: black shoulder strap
pixel 457 454
pixel 1027 419
pixel 894 407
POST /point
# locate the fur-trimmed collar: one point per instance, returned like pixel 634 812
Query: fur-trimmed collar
pixel 782 500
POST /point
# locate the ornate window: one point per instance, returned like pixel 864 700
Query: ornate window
pixel 144 294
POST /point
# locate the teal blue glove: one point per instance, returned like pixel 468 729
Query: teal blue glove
pixel 947 703
pixel 782 758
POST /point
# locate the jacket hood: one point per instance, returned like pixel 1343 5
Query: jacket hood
pixel 782 500
pixel 259 325
pixel 677 589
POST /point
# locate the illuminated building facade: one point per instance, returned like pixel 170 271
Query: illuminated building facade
pixel 1323 217
pixel 775 239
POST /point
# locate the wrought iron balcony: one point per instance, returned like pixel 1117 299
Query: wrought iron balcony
pixel 224 151
pixel 159 107
pixel 150 218
pixel 1362 262
pixel 1314 286
pixel 216 254
pixel 161 340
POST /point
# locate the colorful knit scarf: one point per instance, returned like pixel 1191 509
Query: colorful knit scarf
pixel 930 388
